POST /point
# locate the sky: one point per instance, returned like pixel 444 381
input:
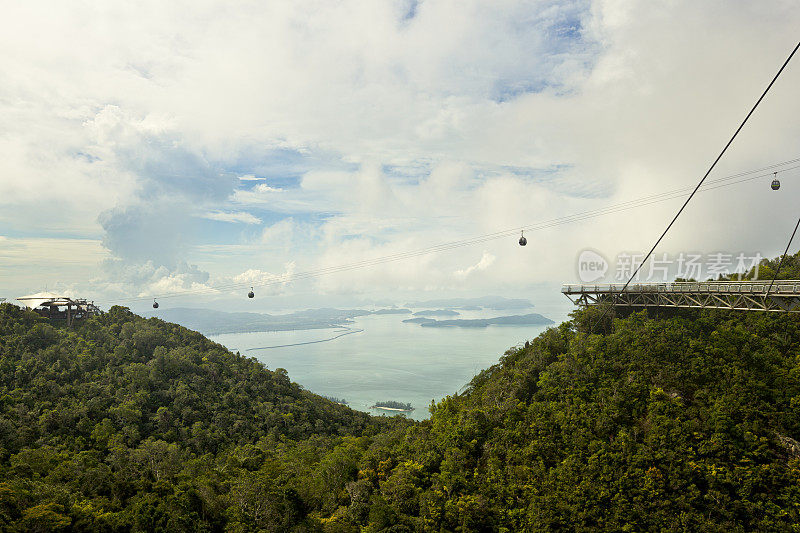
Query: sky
pixel 189 150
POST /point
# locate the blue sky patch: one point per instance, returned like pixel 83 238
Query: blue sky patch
pixel 283 168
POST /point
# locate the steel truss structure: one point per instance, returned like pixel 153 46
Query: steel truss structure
pixel 784 296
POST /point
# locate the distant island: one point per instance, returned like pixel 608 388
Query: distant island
pixel 393 406
pixel 438 312
pixel 418 320
pixel 214 322
pixel 498 303
pixel 391 311
pixel 532 319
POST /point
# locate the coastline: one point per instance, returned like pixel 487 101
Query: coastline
pixel 362 369
pixel 392 409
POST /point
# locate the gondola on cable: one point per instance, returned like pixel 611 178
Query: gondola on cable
pixel 155 304
pixel 251 294
pixel 522 240
pixel 776 184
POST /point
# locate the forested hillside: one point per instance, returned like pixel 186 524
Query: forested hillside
pixel 685 423
pixel 688 422
pixel 127 423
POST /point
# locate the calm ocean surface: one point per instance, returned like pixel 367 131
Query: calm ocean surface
pixel 388 360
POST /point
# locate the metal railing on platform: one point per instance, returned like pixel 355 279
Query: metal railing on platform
pixel 783 295
pixel 748 287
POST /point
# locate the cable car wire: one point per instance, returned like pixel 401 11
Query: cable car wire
pixel 703 179
pixel 622 206
pixel 780 265
pixel 716 183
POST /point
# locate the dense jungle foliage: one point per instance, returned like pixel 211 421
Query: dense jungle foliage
pixel 123 423
pixel 685 422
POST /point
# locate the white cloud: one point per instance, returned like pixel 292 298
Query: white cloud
pixel 257 277
pixel 57 262
pixel 125 279
pixel 264 188
pixel 233 216
pixel 126 124
pixel 486 261
pixel 25 251
pixel 281 233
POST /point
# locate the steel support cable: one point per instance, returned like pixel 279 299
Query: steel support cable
pixel 377 261
pixel 386 259
pixel 557 221
pixel 509 232
pixel 700 183
pixel 405 255
pixel 780 264
pixel 578 217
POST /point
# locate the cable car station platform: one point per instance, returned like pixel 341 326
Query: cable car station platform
pixel 784 296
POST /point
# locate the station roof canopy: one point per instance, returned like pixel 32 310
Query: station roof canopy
pixel 33 301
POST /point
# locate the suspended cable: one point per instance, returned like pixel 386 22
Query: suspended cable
pixel 780 264
pixel 622 206
pixel 703 179
pixel 578 217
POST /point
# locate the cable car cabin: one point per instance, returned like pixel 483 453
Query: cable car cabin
pixel 251 294
pixel 776 184
pixel 522 240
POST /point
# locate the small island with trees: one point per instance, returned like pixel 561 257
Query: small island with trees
pixel 393 406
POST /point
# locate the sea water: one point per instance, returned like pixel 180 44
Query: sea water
pixel 388 360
